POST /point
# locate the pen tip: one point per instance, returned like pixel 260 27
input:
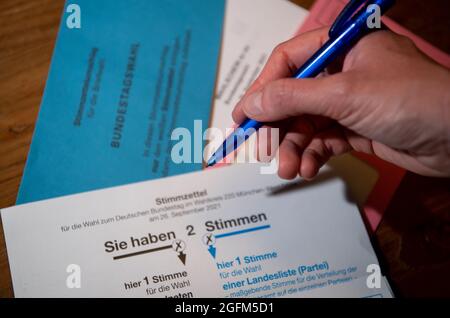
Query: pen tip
pixel 211 162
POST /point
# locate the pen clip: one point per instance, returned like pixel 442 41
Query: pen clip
pixel 346 14
pixel 351 9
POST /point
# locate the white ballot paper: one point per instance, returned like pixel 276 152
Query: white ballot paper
pixel 226 232
pixel 357 288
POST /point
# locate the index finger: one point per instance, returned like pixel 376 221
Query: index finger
pixel 284 61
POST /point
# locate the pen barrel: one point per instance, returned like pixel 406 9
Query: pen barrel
pixel 330 51
pixel 238 137
pixel 346 36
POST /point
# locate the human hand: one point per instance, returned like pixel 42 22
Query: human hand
pixel 388 100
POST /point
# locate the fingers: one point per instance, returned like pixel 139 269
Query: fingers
pixel 289 159
pixel 307 162
pixel 284 61
pixel 285 98
pixel 268 140
pixel 299 131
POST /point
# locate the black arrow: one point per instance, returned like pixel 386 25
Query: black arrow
pixel 182 258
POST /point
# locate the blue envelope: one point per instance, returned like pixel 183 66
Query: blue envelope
pixel 117 87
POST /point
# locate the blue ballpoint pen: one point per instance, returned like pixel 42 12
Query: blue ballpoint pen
pixel 350 26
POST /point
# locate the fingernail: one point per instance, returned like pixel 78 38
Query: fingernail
pixel 253 104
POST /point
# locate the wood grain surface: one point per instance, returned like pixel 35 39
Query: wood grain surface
pixel 413 240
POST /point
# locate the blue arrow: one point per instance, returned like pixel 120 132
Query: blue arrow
pixel 212 251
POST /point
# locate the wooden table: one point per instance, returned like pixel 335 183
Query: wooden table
pixel 413 240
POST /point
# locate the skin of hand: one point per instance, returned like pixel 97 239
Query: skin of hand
pixel 388 99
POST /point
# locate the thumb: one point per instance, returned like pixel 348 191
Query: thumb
pixel 285 98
